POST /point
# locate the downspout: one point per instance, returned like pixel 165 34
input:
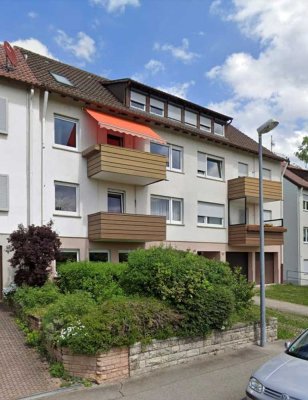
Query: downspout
pixel 300 231
pixel 29 159
pixel 43 127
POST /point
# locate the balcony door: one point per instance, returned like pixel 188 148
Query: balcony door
pixel 114 140
pixel 115 202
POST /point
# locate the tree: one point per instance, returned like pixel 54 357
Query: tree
pixel 34 247
pixel 302 152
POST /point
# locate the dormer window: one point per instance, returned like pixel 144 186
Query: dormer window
pixel 174 112
pixel 137 100
pixel 61 79
pixel 219 129
pixel 190 118
pixel 156 107
pixel 205 123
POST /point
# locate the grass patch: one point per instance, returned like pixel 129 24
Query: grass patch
pixel 288 292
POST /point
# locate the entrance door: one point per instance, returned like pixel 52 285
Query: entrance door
pixel 114 140
pixel 269 268
pixel 1 274
pixel 237 259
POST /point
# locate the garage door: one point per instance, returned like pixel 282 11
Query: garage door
pixel 269 268
pixel 236 259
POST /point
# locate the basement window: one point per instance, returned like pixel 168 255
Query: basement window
pixel 61 79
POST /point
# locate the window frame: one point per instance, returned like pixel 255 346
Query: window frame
pixel 175 106
pixel 215 158
pixel 63 212
pixel 238 169
pixel 123 252
pixel 6 129
pixel 186 113
pixel 305 202
pixel 203 127
pixel 305 234
pixel 6 209
pixel 137 102
pixel 223 129
pixel 158 108
pixel 171 147
pixel 63 146
pixel 99 251
pixel 63 80
pixel 66 250
pixel 169 220
pixel 270 173
pixel 206 217
pixel 120 193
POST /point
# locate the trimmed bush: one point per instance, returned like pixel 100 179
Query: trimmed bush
pixel 100 280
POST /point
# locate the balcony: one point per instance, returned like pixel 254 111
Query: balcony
pixel 124 165
pixel 249 235
pixel 105 226
pixel 249 187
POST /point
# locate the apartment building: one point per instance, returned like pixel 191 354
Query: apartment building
pixel 295 187
pixel 119 165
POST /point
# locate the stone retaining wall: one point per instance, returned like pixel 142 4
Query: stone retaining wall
pixel 165 353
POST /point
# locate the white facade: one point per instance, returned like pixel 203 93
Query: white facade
pixel 33 163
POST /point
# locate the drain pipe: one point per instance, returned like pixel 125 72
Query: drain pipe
pixel 43 124
pixel 29 161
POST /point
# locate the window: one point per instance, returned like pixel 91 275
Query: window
pixel 267 215
pixel 237 212
pixel 305 235
pixel 305 267
pixel 242 169
pixel 205 124
pixel 65 132
pixel 3 115
pixel 174 112
pixel 67 256
pixel 173 153
pixel 211 214
pixel 168 207
pixel 123 255
pixel 156 107
pixel 114 140
pixel 4 193
pixel 99 256
pixel 61 79
pixel 115 202
pixel 267 173
pixel 305 202
pixel 66 198
pixel 137 100
pixel 190 118
pixel 209 166
pixel 219 129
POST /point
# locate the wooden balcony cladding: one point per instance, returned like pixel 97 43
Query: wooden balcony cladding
pixel 105 226
pixel 249 235
pixel 249 187
pixel 120 164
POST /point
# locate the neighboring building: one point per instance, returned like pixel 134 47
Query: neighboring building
pixel 119 165
pixel 295 209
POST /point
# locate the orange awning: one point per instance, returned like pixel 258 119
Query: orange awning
pixel 124 126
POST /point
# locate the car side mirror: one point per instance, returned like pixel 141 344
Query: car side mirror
pixel 287 345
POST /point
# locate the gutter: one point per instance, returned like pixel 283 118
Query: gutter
pixel 43 128
pixel 29 155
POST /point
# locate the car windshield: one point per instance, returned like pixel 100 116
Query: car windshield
pixel 300 347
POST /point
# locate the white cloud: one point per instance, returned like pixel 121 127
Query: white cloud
pixel 115 5
pixel 32 14
pixel 181 53
pixel 154 66
pixel 177 89
pixel 82 47
pixel 273 83
pixel 34 45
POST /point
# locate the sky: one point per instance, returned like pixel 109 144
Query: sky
pixel 244 58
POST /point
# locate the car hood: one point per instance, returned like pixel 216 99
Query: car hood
pixel 285 374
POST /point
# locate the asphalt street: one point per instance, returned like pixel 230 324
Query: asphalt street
pixel 221 377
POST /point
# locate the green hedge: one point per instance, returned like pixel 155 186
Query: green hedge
pixel 101 280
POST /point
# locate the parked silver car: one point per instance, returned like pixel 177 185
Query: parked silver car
pixel 284 377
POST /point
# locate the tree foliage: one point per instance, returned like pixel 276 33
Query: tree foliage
pixel 302 152
pixel 34 247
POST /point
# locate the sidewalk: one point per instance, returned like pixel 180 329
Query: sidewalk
pixel 283 306
pixel 22 373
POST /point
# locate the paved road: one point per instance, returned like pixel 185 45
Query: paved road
pixel 283 306
pixel 222 377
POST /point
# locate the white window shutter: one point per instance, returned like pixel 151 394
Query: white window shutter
pixel 3 115
pixel 211 210
pixel 140 98
pixel 4 193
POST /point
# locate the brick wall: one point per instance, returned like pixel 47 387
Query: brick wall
pixel 165 353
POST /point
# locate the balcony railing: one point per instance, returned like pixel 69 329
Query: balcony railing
pixel 249 235
pixel 123 165
pixel 105 226
pixel 249 187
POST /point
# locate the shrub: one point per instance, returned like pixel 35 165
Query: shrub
pixel 29 298
pixel 118 322
pixel 101 280
pixel 34 247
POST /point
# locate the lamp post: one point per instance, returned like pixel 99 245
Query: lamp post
pixel 264 128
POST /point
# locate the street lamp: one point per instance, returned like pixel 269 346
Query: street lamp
pixel 264 128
